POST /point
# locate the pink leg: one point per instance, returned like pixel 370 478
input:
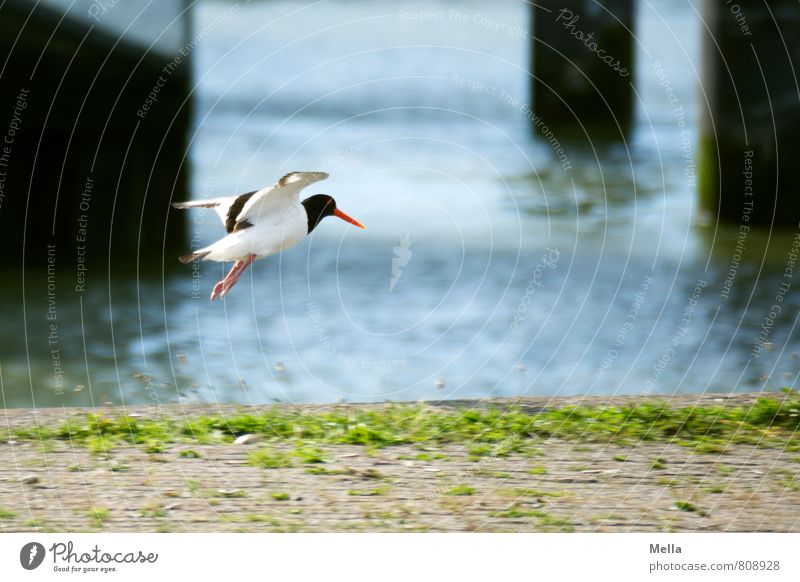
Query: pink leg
pixel 233 277
pixel 237 267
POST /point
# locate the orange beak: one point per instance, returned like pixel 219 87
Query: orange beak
pixel 338 213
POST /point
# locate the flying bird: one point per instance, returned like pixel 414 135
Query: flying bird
pixel 262 223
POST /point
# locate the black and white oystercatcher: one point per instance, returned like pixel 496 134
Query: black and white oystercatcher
pixel 263 223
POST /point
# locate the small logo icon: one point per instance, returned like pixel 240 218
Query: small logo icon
pixel 402 255
pixel 31 555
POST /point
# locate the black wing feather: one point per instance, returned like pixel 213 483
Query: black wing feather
pixel 232 224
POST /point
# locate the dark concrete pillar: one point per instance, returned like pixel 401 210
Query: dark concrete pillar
pixel 582 65
pixel 85 171
pixel 750 138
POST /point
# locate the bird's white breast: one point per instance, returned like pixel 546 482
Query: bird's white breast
pixel 271 233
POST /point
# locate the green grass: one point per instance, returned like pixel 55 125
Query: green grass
pixel 515 513
pixel 7 513
pixel 154 446
pixel 153 510
pixel 788 480
pixel 98 515
pixel 280 496
pixel 512 443
pixel 461 490
pixel 544 519
pixel 269 459
pixel 189 454
pixel 427 457
pixel 710 448
pixel 309 455
pixel 769 422
pixel 658 464
pixel 480 450
pixel 366 492
pixel 685 506
pixel 556 522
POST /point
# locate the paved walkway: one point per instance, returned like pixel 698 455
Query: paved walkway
pixel 556 486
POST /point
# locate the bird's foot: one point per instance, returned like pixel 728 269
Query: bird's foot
pixel 221 289
pixel 217 290
pixel 227 287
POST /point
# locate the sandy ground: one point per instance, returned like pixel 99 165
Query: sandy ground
pixel 560 486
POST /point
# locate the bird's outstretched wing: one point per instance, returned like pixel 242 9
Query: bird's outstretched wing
pixel 226 208
pixel 270 203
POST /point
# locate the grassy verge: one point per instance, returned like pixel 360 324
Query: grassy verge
pixel 769 422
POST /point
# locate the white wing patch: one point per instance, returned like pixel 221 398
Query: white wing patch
pixel 306 178
pixel 219 205
pixel 268 205
pixel 272 203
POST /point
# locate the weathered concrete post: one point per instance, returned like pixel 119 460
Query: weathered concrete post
pixel 583 66
pixel 95 109
pixel 750 140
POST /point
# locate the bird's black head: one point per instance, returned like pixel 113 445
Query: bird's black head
pixel 318 207
pixel 321 205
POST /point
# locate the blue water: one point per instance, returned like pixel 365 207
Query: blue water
pixel 512 275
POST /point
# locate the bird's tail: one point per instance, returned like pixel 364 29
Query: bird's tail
pixel 196 204
pixel 193 256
